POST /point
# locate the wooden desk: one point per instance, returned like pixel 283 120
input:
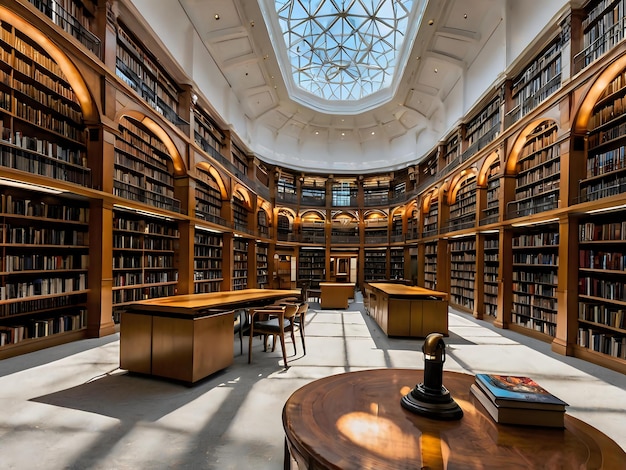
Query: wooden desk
pixel 355 421
pixel 336 294
pixel 186 337
pixel 409 311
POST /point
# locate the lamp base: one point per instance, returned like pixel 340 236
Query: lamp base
pixel 438 405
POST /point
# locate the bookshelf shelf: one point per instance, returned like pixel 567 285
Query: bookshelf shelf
pixel 41 123
pixel 143 168
pixel 208 264
pixel 144 250
pixel 491 270
pixel 136 67
pixel 462 272
pixel 606 154
pixel 483 128
pixel 430 265
pixel 208 199
pixel 463 209
pixel 240 264
pixel 535 279
pixel 603 29
pixel 602 285
pixel 311 266
pixel 375 264
pixel 262 266
pixel 540 79
pixel 538 173
pixel 396 263
pixel 431 223
pixel 44 261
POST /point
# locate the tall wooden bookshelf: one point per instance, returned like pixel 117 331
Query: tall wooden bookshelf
pixel 208 199
pixel 375 268
pixel 463 209
pixel 491 270
pixel 137 67
pixel 483 128
pixel 75 17
pixel 602 285
pixel 540 79
pixel 431 220
pixel 452 152
pixel 262 266
pixel 44 232
pixel 606 152
pixel 396 263
pixel 462 271
pixel 207 134
pixel 430 265
pixel 603 29
pixel 144 249
pixel 44 260
pixel 240 213
pixel 41 123
pixel 143 167
pixel 491 213
pixel 240 263
pixel 208 262
pixel 535 278
pixel 311 266
pixel 539 169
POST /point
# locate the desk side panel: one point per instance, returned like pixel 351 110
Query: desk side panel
pixel 212 344
pixel 172 348
pixel 136 342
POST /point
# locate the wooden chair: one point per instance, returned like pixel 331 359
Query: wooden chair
pixel 276 321
pixel 299 320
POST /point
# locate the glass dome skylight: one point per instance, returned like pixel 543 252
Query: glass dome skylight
pixel 343 50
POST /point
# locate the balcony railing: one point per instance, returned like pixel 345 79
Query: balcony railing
pixel 68 23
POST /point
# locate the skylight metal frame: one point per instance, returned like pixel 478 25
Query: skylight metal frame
pixel 342 56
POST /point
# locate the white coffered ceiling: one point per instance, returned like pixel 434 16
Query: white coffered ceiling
pixel 457 41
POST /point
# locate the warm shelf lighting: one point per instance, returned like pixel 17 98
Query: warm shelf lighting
pixel 205 229
pixel 30 186
pixel 142 212
pixel 539 222
pixel 607 209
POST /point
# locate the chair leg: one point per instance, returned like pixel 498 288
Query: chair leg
pixel 293 340
pixel 241 340
pixel 302 336
pixel 250 342
pixel 282 345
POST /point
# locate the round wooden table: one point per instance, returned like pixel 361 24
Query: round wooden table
pixel 355 421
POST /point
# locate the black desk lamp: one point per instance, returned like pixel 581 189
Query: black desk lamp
pixel 431 398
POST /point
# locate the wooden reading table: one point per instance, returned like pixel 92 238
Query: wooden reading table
pixel 355 421
pixel 409 311
pixel 336 294
pixel 186 337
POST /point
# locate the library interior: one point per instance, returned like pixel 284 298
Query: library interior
pixel 343 178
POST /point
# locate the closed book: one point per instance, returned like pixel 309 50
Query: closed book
pixel 518 392
pixel 519 416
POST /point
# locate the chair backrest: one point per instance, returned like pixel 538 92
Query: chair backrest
pixel 302 309
pixel 291 310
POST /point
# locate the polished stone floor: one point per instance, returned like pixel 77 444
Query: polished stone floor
pixel 70 407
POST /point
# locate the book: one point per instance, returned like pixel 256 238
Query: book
pixel 518 392
pixel 518 416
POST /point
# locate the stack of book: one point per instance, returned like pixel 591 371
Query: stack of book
pixel 518 400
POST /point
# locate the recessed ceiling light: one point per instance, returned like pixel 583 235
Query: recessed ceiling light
pixel 373 133
pixel 217 16
pixel 431 22
pixel 317 132
pixel 436 71
pixel 342 134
